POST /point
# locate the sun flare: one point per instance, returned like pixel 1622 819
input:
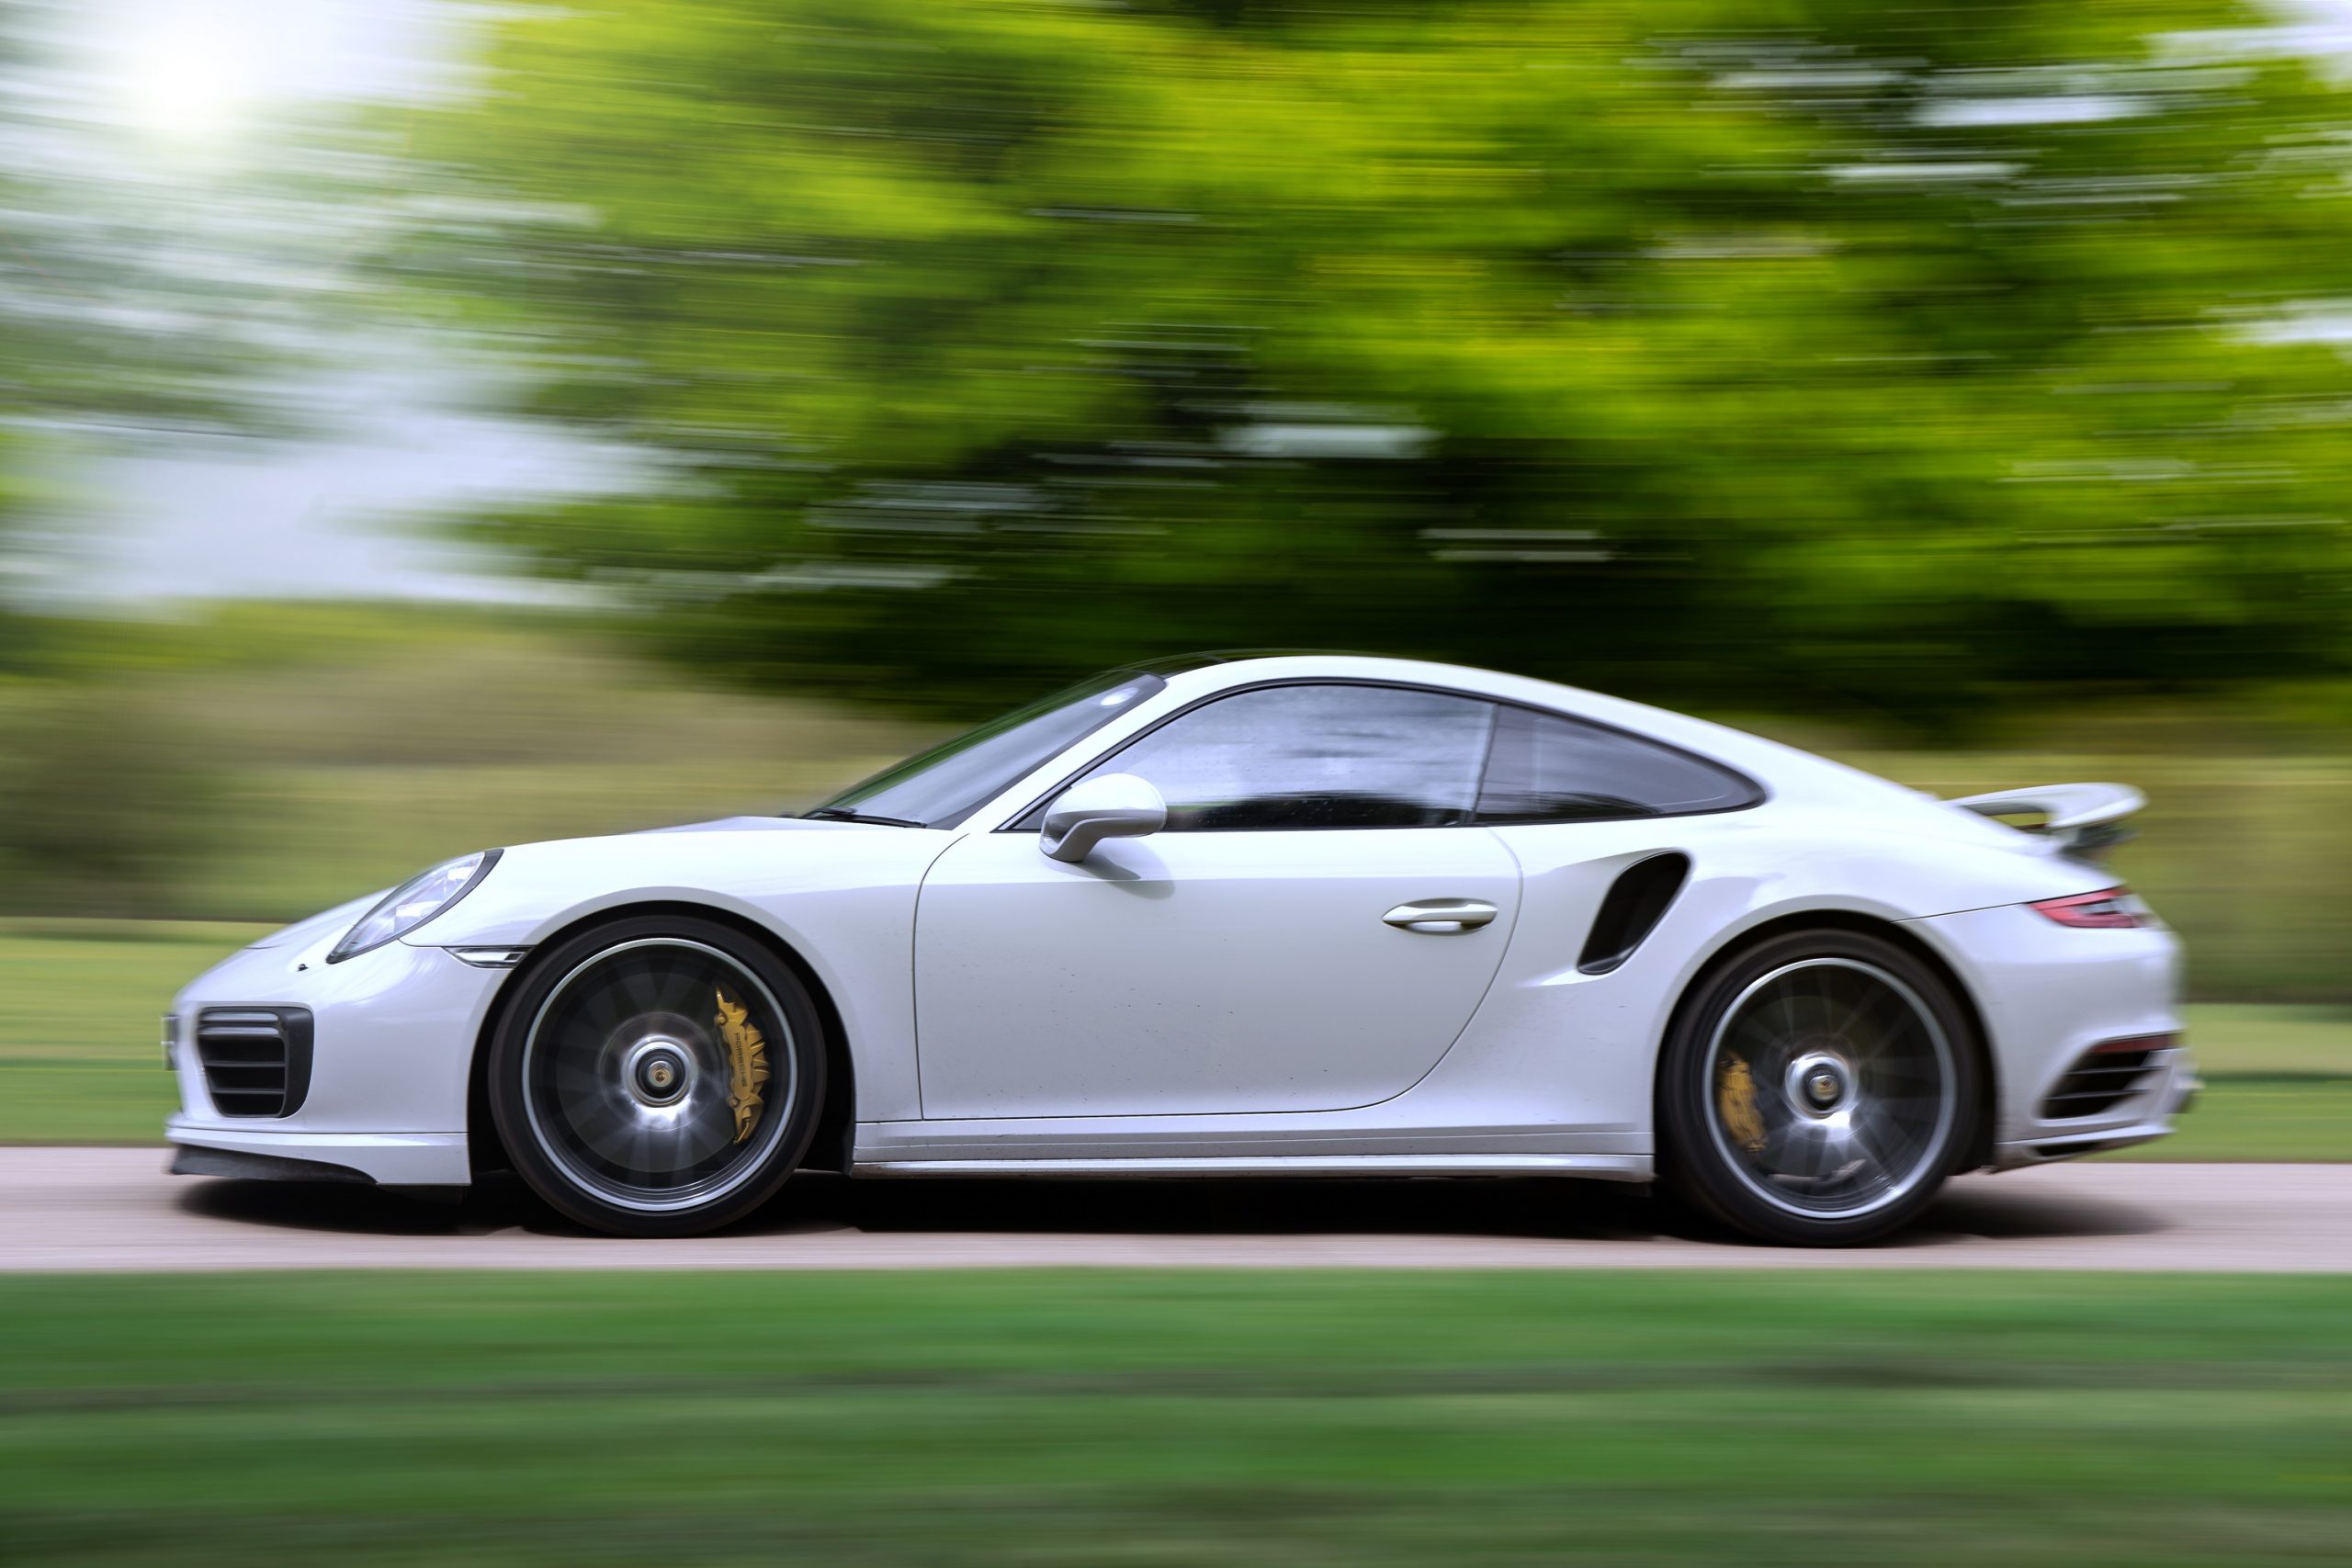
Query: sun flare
pixel 179 83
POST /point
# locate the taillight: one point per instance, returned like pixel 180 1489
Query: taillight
pixel 2110 908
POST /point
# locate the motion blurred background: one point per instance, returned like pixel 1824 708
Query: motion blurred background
pixel 425 425
pixel 428 426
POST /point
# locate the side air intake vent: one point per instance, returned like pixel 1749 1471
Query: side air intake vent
pixel 257 1060
pixel 2103 1077
pixel 1630 911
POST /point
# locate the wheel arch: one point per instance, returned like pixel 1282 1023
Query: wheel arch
pixel 1980 1137
pixel 829 1149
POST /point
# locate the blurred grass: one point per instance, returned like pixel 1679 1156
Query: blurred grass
pixel 2261 1119
pixel 2278 1086
pixel 81 1054
pixel 79 1062
pixel 1243 1417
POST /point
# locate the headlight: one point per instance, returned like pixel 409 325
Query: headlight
pixel 413 903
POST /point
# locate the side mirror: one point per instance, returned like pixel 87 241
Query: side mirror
pixel 1116 805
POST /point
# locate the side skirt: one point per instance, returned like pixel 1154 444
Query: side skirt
pixel 1604 1168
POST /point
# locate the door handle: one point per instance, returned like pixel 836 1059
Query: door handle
pixel 1438 915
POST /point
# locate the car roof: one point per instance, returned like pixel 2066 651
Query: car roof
pixel 1192 677
pixel 1184 663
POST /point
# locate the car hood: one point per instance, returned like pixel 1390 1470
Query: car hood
pixel 770 868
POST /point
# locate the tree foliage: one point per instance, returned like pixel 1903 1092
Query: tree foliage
pixel 1753 350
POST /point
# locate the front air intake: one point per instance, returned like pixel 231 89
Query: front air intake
pixel 257 1060
pixel 2103 1077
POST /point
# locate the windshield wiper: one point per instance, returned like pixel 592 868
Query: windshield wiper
pixel 843 814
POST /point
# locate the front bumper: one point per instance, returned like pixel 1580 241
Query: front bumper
pixel 384 1160
pixel 393 1035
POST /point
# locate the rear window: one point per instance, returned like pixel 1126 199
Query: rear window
pixel 1545 768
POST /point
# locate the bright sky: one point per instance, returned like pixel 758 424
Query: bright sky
pixel 196 83
pixel 206 70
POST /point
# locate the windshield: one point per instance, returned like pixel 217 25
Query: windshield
pixel 940 787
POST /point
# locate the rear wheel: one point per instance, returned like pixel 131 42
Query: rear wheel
pixel 657 1076
pixel 1818 1089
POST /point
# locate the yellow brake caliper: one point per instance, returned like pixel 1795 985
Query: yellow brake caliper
pixel 1736 1098
pixel 747 1058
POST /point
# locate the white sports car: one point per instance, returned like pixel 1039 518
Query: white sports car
pixel 1235 915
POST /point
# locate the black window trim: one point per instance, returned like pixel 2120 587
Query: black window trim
pixel 1758 794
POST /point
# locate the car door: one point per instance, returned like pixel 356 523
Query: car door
pixel 1260 953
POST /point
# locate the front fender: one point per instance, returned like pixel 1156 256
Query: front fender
pixel 841 899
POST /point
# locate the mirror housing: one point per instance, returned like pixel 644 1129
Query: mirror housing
pixel 1116 805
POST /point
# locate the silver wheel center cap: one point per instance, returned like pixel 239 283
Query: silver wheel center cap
pixel 1819 1084
pixel 658 1072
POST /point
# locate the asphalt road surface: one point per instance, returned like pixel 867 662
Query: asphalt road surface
pixel 69 1208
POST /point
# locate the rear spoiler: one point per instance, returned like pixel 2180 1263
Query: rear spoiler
pixel 2083 819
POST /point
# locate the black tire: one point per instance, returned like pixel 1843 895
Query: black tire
pixel 624 1075
pixel 1818 1088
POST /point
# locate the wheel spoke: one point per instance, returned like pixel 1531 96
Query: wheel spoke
pixel 1865 1025
pixel 1864 1142
pixel 635 979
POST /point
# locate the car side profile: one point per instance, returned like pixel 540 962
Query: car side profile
pixel 1294 914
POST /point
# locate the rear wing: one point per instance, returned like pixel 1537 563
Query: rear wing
pixel 2083 819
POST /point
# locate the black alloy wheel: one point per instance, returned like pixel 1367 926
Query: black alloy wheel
pixel 1818 1087
pixel 657 1076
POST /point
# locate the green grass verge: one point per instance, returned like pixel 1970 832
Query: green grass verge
pixel 79 1063
pixel 944 1419
pixel 81 1059
pixel 2278 1085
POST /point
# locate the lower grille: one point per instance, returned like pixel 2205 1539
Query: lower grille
pixel 257 1060
pixel 2103 1077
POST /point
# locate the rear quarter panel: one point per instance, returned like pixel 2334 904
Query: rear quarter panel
pixel 1553 1045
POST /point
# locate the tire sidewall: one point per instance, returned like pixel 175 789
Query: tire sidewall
pixel 520 1009
pixel 1700 1170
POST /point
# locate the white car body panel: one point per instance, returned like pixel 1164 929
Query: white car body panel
pixel 2051 995
pixel 841 895
pixel 388 1090
pixel 1163 975
pixel 1003 1013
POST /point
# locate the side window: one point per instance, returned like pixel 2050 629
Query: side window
pixel 1310 756
pixel 1548 769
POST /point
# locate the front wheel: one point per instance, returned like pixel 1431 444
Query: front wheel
pixel 657 1076
pixel 1818 1088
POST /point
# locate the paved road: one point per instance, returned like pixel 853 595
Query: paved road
pixel 116 1208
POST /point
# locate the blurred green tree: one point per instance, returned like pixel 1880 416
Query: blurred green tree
pixel 1774 352
pixel 148 288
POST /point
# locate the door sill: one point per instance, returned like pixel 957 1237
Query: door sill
pixel 1604 1168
